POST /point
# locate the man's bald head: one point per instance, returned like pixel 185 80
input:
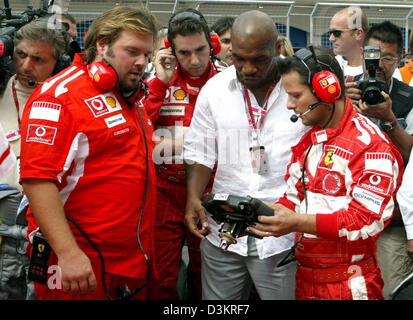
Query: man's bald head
pixel 353 17
pixel 257 25
pixel 253 40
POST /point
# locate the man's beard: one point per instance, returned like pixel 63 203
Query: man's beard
pixel 127 89
pixel 124 88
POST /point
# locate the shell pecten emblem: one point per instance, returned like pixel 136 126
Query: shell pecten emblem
pixel 332 89
pixel 111 102
pixel 179 94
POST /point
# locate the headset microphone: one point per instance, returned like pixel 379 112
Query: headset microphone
pixel 295 117
pixel 33 83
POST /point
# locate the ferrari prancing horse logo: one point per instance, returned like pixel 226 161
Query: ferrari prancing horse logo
pixel 329 158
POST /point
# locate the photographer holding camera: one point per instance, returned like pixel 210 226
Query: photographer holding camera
pixel 393 112
pixel 382 54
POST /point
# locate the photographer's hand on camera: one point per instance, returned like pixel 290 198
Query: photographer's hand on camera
pixel 382 111
pixel 195 218
pixel 353 93
pixel 165 63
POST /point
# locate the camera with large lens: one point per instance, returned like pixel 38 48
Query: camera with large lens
pixel 371 86
pixel 235 213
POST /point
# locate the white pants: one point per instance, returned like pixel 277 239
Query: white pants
pixel 228 276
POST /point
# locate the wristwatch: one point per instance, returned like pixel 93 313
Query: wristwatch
pixel 387 126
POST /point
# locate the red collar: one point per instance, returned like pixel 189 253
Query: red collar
pixel 184 79
pixel 79 60
pixel 318 135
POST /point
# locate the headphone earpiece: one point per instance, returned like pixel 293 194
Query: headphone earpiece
pixel 194 15
pixel 103 75
pixel 166 42
pixel 326 86
pixel 62 62
pixel 324 83
pixel 214 42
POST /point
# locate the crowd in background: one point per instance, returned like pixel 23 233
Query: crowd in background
pixel 107 150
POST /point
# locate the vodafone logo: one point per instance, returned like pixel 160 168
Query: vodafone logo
pixel 375 180
pixel 40 131
pixel 41 134
pixel 97 104
pixel 103 104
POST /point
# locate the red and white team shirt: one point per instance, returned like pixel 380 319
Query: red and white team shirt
pixel 351 175
pixel 171 106
pixel 91 143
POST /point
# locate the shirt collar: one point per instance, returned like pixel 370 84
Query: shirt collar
pixel 235 84
pixel 319 135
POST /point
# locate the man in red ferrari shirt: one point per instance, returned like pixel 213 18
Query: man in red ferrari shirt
pixel 182 69
pixel 342 179
pixel 86 163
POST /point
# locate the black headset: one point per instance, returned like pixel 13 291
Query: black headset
pixel 212 37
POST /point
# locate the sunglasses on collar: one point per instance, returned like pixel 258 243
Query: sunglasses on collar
pixel 337 32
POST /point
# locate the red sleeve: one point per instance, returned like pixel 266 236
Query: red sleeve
pixel 157 93
pixel 376 173
pixel 47 134
pixel 294 195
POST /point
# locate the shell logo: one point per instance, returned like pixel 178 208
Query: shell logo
pixel 96 77
pixel 332 89
pixel 179 94
pixel 111 102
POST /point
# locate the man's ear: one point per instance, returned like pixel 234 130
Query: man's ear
pixel 359 34
pixel 101 46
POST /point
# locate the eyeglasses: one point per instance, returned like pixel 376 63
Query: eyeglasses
pixel 388 60
pixel 337 32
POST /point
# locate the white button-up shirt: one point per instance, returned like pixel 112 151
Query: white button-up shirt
pixel 220 133
pixel 405 198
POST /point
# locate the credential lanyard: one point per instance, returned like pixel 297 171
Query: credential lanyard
pixel 14 135
pixel 255 126
pixel 16 101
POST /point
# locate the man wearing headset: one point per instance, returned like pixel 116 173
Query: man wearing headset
pixel 343 198
pixel 182 69
pixel 37 55
pixel 86 165
pixel 223 28
pixel 36 52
